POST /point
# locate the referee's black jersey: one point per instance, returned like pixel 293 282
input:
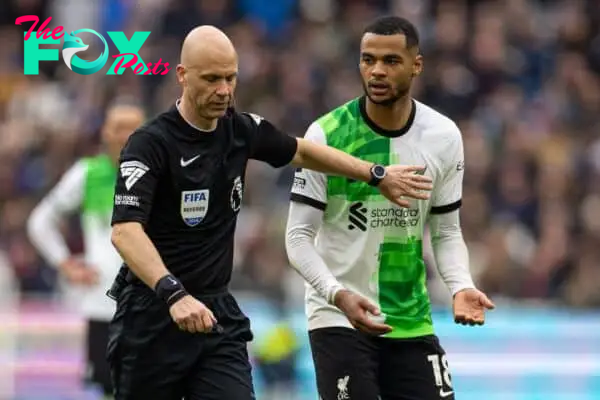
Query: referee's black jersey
pixel 185 186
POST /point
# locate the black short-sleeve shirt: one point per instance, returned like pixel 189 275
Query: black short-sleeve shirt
pixel 185 186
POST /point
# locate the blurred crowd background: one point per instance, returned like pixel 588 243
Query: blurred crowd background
pixel 520 77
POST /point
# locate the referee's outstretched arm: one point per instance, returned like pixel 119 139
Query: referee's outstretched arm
pixel 394 182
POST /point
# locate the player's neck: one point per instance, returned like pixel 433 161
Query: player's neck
pixel 390 117
pixel 190 115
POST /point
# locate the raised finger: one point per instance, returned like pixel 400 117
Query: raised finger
pixel 487 303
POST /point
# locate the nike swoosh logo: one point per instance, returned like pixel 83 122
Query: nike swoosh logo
pixel 185 163
pixel 445 394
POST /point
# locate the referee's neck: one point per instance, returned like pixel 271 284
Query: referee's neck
pixel 189 114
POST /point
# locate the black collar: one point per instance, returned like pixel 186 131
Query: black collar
pixel 386 132
pixel 187 131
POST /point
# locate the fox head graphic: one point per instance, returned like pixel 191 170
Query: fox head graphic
pixel 73 45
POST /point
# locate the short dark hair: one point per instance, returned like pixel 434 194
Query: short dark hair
pixel 392 25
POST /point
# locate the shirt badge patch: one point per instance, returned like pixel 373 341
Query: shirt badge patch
pixel 194 206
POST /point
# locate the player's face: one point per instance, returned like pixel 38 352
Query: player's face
pixel 120 122
pixel 210 84
pixel 387 67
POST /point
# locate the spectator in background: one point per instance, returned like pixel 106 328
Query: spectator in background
pixel 87 188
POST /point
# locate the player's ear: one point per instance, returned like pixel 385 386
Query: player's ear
pixel 181 71
pixel 417 65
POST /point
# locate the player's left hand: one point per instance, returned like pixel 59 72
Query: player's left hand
pixel 357 309
pixel 469 307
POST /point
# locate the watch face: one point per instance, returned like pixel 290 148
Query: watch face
pixel 379 171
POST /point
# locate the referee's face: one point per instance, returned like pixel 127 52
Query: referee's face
pixel 387 67
pixel 209 82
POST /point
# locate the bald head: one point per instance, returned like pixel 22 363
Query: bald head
pixel 208 74
pixel 207 44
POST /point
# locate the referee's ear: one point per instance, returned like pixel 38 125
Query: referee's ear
pixel 180 71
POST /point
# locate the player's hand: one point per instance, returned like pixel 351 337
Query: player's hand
pixel 77 272
pixel 469 307
pixel 357 309
pixel 405 181
pixel 192 316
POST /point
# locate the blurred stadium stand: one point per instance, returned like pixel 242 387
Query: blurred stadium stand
pixel 522 79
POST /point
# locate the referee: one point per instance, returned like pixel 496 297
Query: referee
pixel 177 332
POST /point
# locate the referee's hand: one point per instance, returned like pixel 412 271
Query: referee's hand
pixel 405 181
pixel 357 309
pixel 192 316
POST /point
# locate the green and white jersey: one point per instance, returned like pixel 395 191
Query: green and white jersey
pixel 86 188
pixel 372 246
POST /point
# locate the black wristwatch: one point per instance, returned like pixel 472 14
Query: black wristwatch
pixel 378 172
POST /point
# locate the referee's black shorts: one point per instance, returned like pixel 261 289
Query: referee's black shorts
pixel 352 365
pixel 151 358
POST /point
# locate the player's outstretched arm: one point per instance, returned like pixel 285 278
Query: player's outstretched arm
pixel 449 248
pixel 398 182
pixel 452 259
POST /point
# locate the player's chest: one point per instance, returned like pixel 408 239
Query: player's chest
pixel 407 152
